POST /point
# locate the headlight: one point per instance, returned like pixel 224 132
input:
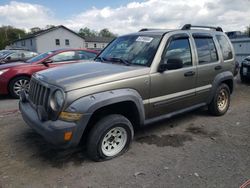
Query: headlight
pixel 57 100
pixel 3 71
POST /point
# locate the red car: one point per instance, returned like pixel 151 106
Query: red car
pixel 15 77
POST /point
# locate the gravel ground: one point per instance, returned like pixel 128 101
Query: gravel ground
pixel 191 150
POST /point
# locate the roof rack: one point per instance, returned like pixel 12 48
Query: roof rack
pixel 188 27
pixel 147 29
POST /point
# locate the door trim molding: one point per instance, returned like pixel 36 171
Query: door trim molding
pixel 181 94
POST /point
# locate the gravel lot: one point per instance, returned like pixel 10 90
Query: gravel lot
pixel 191 150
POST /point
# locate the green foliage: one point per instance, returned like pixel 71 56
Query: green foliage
pixel 86 32
pixel 8 34
pixel 247 31
pixel 106 33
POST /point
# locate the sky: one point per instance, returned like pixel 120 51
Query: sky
pixel 121 16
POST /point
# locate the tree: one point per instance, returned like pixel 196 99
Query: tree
pixel 106 33
pixel 35 29
pixel 247 31
pixel 86 32
pixel 49 26
pixel 9 34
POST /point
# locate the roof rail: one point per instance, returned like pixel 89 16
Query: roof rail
pixel 188 27
pixel 147 29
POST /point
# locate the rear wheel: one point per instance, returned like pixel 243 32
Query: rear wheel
pixel 109 138
pixel 221 101
pixel 18 84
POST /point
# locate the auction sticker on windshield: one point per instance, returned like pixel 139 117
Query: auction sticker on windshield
pixel 144 39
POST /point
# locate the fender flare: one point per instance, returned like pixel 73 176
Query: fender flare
pixel 89 104
pixel 221 77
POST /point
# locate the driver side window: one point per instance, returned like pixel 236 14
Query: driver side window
pixel 14 56
pixel 178 51
pixel 65 56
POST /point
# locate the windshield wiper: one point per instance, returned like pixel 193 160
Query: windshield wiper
pixel 101 59
pixel 120 60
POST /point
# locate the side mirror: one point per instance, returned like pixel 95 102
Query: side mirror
pixel 170 64
pixel 47 62
pixel 8 58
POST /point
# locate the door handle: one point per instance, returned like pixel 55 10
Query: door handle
pixel 219 67
pixel 189 73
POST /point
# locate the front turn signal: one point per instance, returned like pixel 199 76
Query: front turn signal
pixel 69 116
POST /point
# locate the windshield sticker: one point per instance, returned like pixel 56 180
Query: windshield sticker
pixel 144 39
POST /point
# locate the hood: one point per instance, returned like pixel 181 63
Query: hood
pixel 9 65
pixel 80 75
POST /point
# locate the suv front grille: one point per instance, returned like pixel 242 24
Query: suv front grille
pixel 39 94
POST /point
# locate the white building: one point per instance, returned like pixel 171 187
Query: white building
pixel 97 43
pixel 51 39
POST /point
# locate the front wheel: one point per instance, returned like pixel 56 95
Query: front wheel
pixel 221 101
pixel 18 84
pixel 109 138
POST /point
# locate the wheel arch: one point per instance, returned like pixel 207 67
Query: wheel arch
pixel 226 78
pixel 126 102
pixel 16 76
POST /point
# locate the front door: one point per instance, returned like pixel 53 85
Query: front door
pixel 174 88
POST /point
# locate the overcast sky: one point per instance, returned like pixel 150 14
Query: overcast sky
pixel 122 16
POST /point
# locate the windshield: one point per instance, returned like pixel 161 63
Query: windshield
pixel 39 57
pixel 131 49
pixel 4 53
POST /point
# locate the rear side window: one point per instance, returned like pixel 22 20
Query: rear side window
pixel 225 47
pixel 207 52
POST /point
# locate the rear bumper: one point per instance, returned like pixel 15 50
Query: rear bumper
pixel 52 131
pixel 3 86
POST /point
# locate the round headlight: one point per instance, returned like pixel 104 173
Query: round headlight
pixel 57 100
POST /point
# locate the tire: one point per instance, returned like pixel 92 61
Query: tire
pixel 110 137
pixel 18 84
pixel 221 101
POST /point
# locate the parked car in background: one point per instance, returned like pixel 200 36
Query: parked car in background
pixel 10 56
pixel 15 77
pixel 245 70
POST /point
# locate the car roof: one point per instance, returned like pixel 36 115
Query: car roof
pixel 161 32
pixel 186 28
pixel 73 49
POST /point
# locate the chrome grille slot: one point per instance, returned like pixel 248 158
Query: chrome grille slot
pixel 39 94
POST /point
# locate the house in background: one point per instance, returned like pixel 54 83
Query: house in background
pixel 58 37
pixel 50 39
pixel 97 43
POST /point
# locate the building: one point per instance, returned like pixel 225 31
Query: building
pixel 50 39
pixel 241 48
pixel 241 44
pixel 97 43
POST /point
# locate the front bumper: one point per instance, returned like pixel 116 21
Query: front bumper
pixel 53 131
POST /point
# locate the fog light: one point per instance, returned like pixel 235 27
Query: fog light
pixel 67 136
pixel 69 116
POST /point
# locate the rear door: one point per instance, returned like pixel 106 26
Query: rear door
pixel 209 64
